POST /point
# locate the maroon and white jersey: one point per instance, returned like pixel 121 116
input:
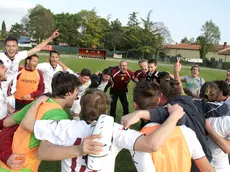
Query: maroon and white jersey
pixel 121 80
pixel 140 75
pixel 72 132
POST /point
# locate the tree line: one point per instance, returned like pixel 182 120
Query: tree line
pixel 87 29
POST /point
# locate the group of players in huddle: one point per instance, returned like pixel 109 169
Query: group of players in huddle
pixel 178 132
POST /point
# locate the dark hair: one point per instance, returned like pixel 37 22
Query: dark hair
pixel 93 103
pixel 54 51
pixel 11 38
pixel 195 66
pixel 146 94
pixel 142 61
pixel 224 87
pixel 210 92
pixel 152 61
pixel 188 92
pixel 1 62
pixel 106 72
pixel 170 89
pixel 85 72
pixel 64 83
pixel 29 58
pixel 163 76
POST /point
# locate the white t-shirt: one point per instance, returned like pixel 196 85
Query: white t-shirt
pixel 193 84
pixel 67 133
pixel 76 108
pixel 102 85
pixel 48 72
pixel 12 66
pixel 3 104
pixel 220 159
pixel 193 143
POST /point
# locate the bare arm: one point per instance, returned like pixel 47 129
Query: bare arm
pixel 10 109
pixel 158 137
pixel 39 47
pixel 30 117
pixel 64 67
pixel 177 69
pixel 223 143
pixel 9 121
pixel 88 146
pixel 204 165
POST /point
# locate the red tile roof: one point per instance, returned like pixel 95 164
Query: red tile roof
pixel 185 46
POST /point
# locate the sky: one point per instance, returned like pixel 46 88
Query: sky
pixel 182 17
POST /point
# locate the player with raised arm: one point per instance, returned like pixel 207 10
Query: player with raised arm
pixel 94 103
pixel 12 57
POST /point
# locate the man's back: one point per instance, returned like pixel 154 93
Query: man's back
pixel 220 159
pixel 66 133
pixel 177 152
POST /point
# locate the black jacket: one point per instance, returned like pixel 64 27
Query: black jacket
pixel 96 81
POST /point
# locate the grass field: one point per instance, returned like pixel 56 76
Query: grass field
pixel 123 161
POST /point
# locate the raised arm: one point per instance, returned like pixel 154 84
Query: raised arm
pixel 39 47
pixel 177 69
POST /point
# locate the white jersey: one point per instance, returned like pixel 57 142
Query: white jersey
pixel 48 72
pixel 219 158
pixel 76 108
pixel 193 143
pixel 3 104
pixel 12 66
pixel 102 85
pixel 67 133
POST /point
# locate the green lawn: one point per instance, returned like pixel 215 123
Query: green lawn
pixel 123 160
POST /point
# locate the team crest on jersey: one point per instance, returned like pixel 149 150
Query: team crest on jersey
pixel 122 78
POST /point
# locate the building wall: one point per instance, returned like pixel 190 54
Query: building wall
pixel 196 54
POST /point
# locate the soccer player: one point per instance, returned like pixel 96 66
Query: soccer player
pixel 49 69
pixel 101 81
pixel 182 141
pixel 196 111
pixel 64 92
pixel 29 83
pixel 140 74
pixel 121 76
pixel 84 78
pixel 3 102
pixel 152 74
pixel 194 82
pixel 218 127
pixel 94 103
pixel 12 57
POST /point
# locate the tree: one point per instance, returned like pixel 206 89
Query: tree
pixel 17 30
pixel 185 40
pixel 114 35
pixel 3 31
pixel 210 37
pixel 68 25
pixel 41 23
